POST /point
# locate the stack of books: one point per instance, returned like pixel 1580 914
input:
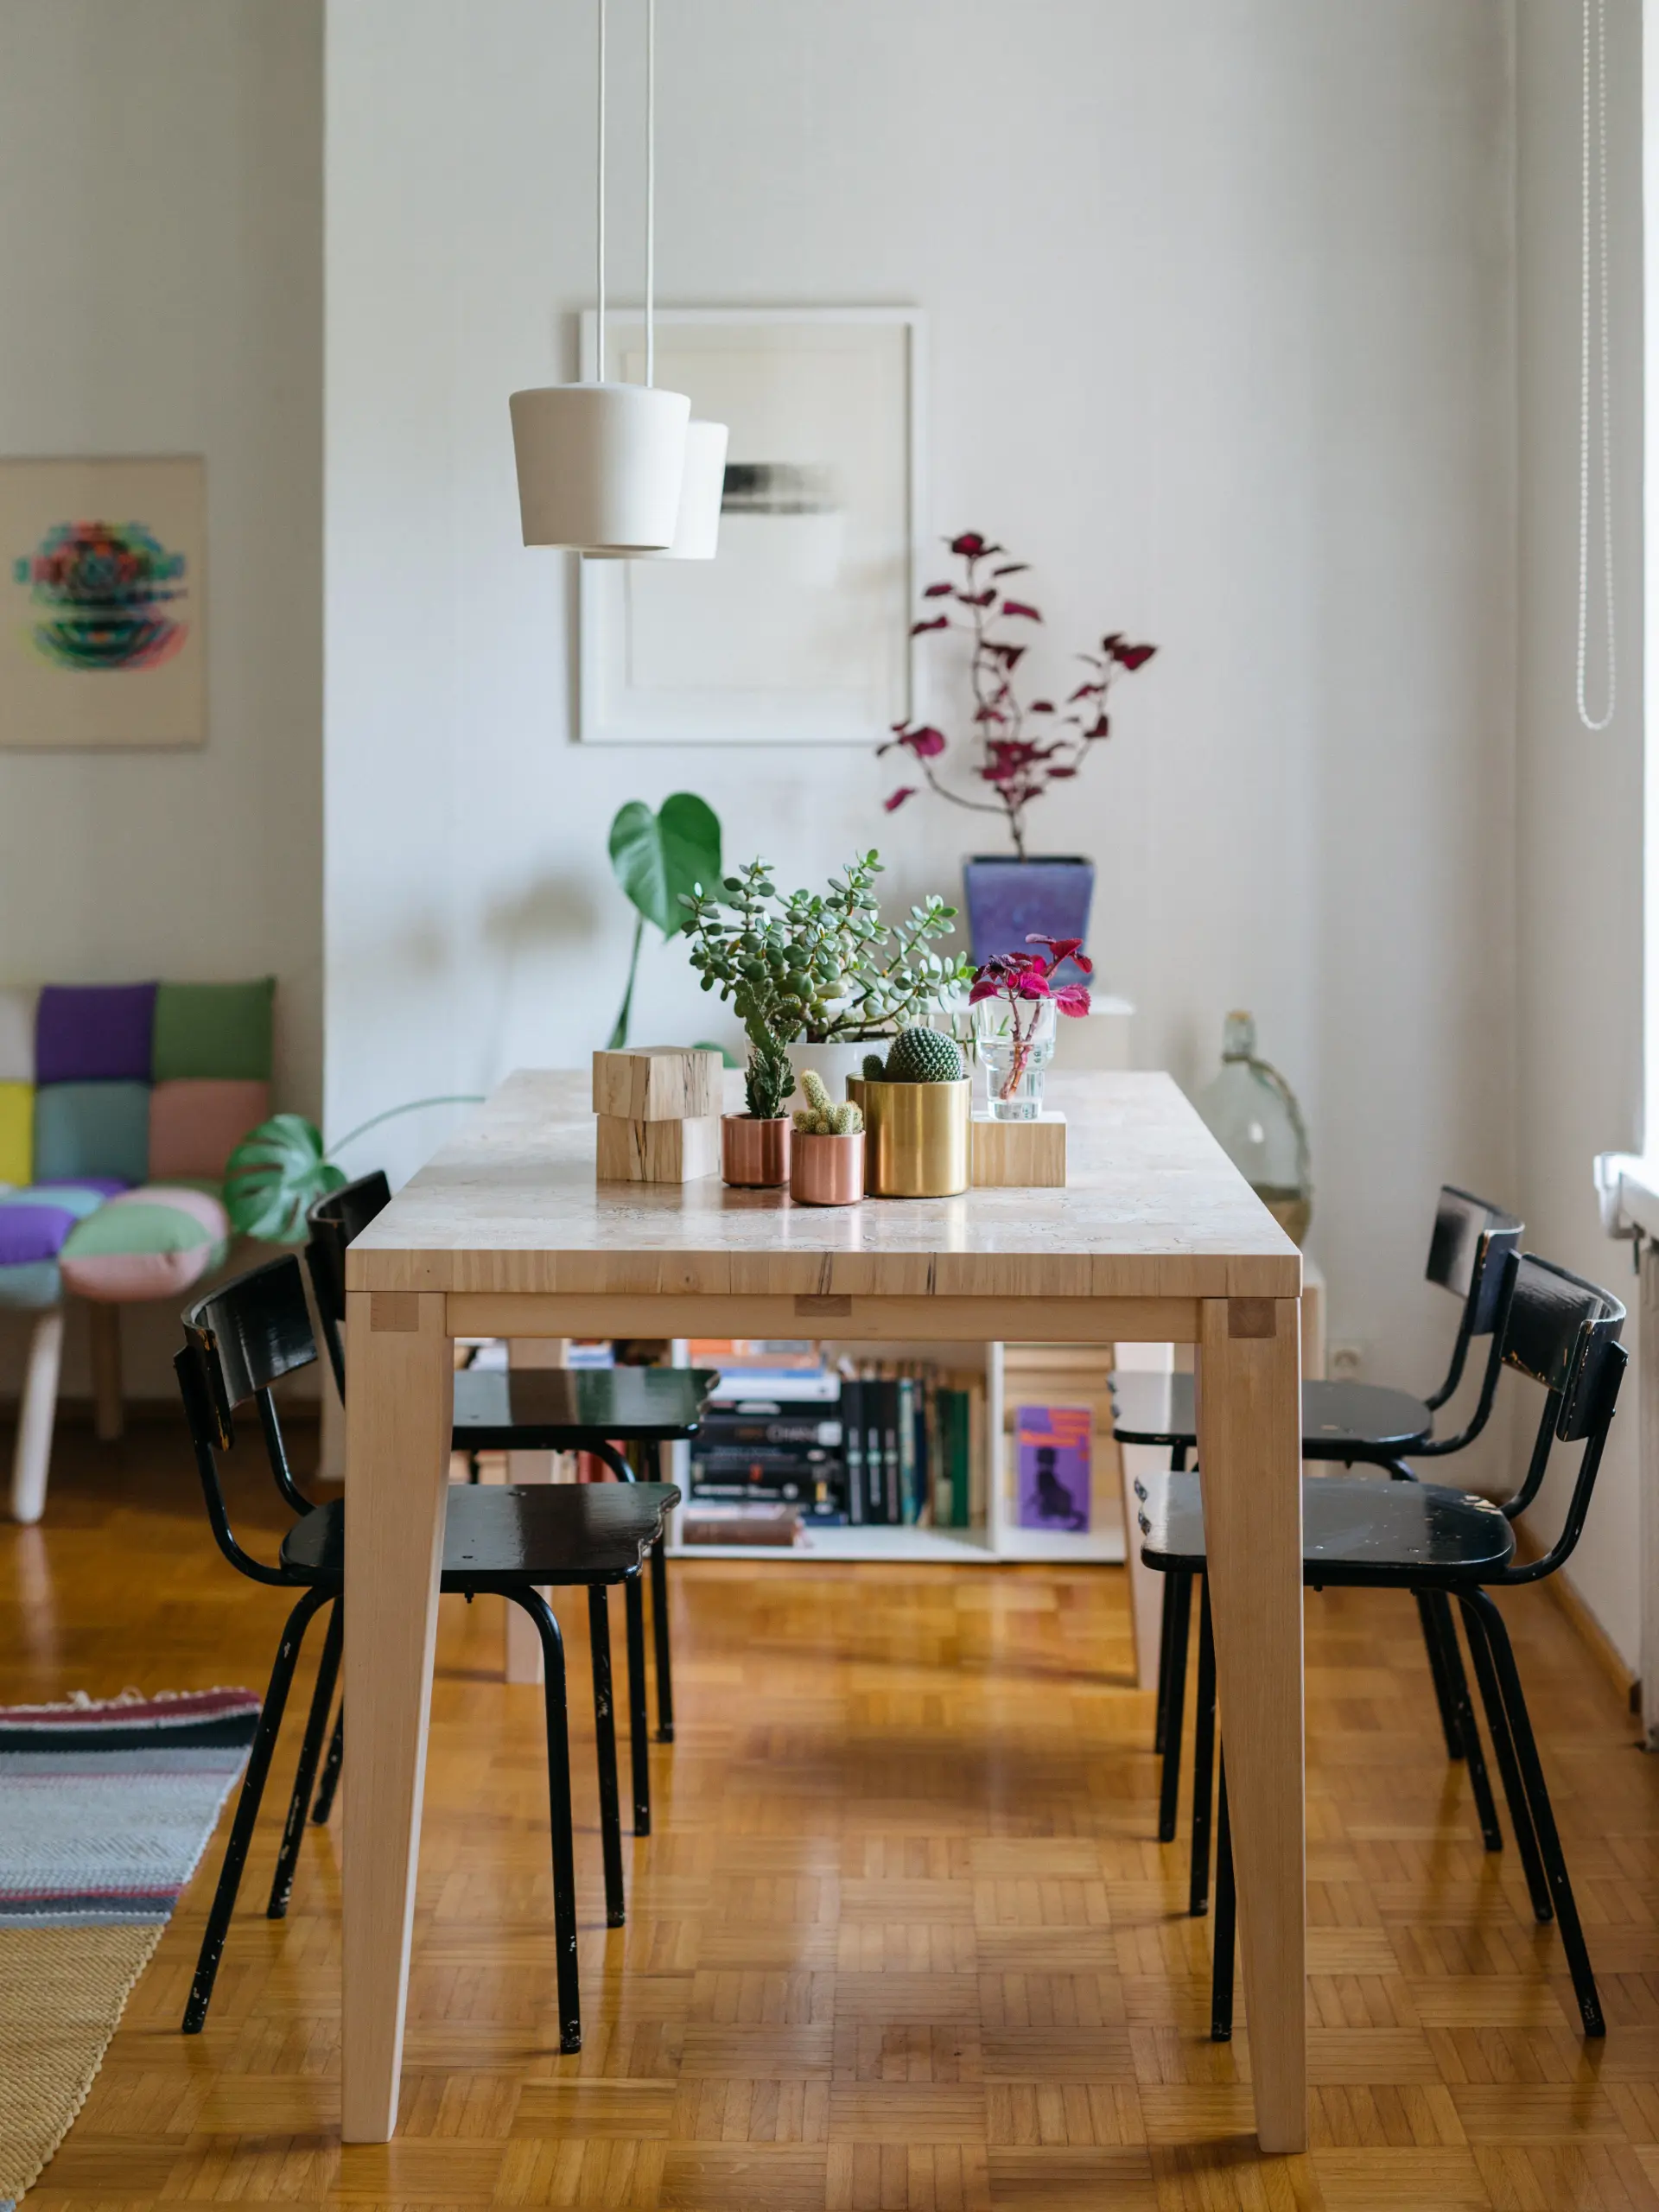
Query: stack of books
pixel 915 1444
pixel 771 1433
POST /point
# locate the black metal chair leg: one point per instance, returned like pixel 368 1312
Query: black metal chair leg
pixel 330 1782
pixel 305 1774
pixel 1468 1728
pixel 639 1741
pixel 610 1809
pixel 1166 1628
pixel 1543 1815
pixel 660 1631
pixel 1224 1924
pixel 1434 1646
pixel 247 1809
pixel 1204 1760
pixel 558 1805
pixel 1169 1795
pixel 1515 1789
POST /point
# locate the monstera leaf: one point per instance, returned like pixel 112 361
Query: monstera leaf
pixel 275 1173
pixel 656 858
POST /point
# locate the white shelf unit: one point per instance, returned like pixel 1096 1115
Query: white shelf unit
pixel 999 1542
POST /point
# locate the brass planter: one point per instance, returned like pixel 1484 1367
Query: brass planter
pixel 915 1137
pixel 754 1155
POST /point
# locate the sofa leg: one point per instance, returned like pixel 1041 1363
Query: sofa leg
pixel 36 1410
pixel 106 1371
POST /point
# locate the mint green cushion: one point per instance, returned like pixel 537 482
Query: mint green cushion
pixel 92 1128
pixel 151 1242
pixel 214 1029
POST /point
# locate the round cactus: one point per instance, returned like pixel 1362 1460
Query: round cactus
pixel 925 1056
pixel 875 1068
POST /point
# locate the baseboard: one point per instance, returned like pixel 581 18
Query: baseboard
pixel 1596 1641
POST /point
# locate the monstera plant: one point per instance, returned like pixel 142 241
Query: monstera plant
pixel 280 1170
pixel 659 860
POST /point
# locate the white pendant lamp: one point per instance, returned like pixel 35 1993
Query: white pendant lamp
pixel 600 465
pixel 696 529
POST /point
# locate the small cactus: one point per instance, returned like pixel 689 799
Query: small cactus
pixel 925 1056
pixel 875 1068
pixel 822 1118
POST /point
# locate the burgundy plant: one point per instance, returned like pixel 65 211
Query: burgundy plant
pixel 1019 747
pixel 1026 979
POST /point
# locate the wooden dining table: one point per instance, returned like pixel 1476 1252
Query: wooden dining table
pixel 1155 1237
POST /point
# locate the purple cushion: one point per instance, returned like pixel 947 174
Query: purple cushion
pixel 35 1221
pixel 94 1033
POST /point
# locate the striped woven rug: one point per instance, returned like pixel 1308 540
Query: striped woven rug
pixel 105 1811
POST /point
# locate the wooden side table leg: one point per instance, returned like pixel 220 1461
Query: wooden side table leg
pixel 104 1329
pixel 1250 1447
pixel 398 1415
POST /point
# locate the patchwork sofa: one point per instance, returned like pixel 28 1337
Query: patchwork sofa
pixel 119 1105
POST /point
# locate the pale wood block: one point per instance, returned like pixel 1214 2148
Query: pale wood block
pixel 398 1420
pixel 1250 1463
pixel 1018 1154
pixel 657 1083
pixel 657 1151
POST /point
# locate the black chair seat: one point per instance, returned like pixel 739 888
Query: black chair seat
pixel 563 1408
pixel 543 1532
pixel 1355 1529
pixel 1340 1420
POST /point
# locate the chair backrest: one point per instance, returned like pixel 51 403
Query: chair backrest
pixel 1471 1242
pixel 334 1221
pixel 1563 1332
pixel 239 1340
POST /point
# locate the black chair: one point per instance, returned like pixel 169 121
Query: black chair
pixel 1358 1424
pixel 1563 1333
pixel 506 1540
pixel 537 1410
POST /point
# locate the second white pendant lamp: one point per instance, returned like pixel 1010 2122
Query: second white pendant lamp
pixel 600 465
pixel 697 530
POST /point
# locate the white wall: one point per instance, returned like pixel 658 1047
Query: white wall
pixel 1220 339
pixel 1579 850
pixel 160 261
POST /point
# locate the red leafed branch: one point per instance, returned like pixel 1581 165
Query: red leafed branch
pixel 1012 765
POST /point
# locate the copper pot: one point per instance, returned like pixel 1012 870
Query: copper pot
pixel 827 1171
pixel 754 1155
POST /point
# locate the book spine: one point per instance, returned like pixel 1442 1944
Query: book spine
pixel 890 1450
pixel 852 1429
pixel 904 1424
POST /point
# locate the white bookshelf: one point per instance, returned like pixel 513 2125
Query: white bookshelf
pixel 998 1541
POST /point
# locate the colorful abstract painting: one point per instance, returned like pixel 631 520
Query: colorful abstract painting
pixel 101 642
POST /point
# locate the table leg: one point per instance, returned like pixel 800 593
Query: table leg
pixel 1249 1443
pixel 398 1415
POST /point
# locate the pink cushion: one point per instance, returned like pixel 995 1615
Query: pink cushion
pixel 196 1121
pixel 151 1242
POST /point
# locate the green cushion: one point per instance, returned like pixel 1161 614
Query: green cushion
pixel 92 1128
pixel 214 1029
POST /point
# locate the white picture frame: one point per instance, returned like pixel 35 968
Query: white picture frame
pixel 798 632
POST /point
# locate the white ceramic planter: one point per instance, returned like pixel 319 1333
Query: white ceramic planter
pixel 600 465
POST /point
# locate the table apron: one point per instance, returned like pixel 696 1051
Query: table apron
pixel 943 1320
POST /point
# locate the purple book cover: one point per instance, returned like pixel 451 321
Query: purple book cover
pixel 1053 1443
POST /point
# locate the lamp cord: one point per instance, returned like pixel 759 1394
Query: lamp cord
pixel 650 190
pixel 599 228
pixel 1594 259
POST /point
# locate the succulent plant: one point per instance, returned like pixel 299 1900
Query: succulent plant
pixel 820 1116
pixel 925 1056
pixel 875 1068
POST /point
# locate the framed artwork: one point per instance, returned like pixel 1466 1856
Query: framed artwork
pixel 102 631
pixel 798 632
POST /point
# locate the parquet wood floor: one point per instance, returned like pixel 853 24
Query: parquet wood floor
pixel 902 1938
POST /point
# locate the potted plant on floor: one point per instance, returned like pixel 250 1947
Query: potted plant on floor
pixel 819 964
pixel 1019 749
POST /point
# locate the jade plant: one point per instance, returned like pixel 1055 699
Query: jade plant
pixel 917 1056
pixel 822 964
pixel 820 1116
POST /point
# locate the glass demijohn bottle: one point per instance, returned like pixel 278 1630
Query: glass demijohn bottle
pixel 1252 1112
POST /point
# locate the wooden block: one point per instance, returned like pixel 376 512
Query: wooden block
pixel 657 1152
pixel 1027 1154
pixel 657 1083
